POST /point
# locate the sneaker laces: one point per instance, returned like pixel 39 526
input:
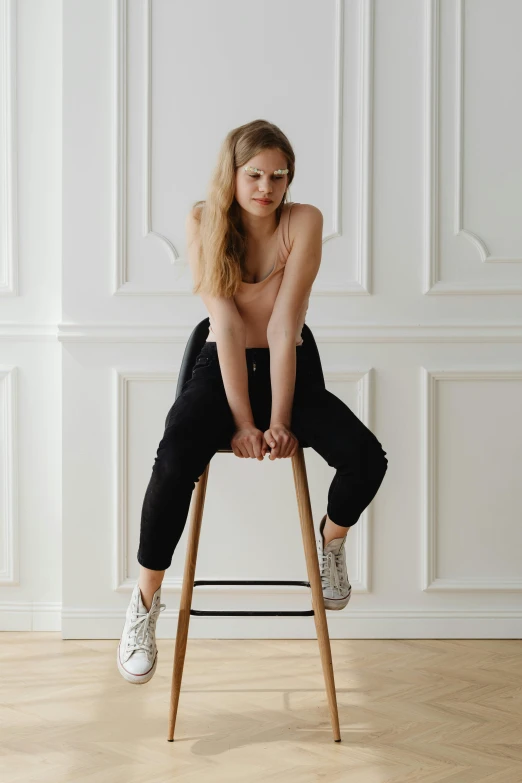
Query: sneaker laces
pixel 330 565
pixel 139 637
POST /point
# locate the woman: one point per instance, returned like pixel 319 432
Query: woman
pixel 253 384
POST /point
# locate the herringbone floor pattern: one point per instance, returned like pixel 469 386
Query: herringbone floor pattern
pixel 411 711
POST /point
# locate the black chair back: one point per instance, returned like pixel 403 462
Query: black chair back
pixel 198 338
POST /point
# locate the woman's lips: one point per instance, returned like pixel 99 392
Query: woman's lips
pixel 262 201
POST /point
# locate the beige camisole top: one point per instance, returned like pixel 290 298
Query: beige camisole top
pixel 255 301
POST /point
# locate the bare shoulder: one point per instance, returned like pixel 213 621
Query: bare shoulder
pixel 305 220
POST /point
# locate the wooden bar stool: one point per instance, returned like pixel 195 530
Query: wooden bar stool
pixel 194 345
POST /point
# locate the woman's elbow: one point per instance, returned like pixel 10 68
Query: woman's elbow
pixel 280 332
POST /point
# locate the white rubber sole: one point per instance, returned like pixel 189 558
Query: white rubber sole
pixel 337 603
pixel 136 679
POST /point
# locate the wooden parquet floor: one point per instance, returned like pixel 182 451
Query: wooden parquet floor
pixel 255 711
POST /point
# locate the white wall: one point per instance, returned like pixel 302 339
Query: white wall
pixel 406 133
pixel 30 311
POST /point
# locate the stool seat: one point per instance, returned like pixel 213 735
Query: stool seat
pixel 194 345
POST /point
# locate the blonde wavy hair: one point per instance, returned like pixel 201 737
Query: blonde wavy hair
pixel 222 237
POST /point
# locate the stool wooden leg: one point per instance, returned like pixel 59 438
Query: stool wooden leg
pixel 186 597
pixel 314 577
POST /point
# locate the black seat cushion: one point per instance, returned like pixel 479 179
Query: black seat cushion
pixel 197 340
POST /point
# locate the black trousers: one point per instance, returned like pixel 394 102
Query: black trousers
pixel 200 422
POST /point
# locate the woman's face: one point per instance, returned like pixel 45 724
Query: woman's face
pixel 252 186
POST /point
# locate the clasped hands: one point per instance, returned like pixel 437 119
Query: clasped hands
pixel 248 441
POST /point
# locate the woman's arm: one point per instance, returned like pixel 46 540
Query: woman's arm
pixel 282 375
pixel 231 341
pixel 230 332
pixel 300 272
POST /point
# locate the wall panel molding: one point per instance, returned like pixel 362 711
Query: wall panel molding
pixel 9 517
pixel 122 286
pixel 430 581
pixel 8 151
pixel 349 333
pixel 381 623
pixel 433 285
pixel 475 239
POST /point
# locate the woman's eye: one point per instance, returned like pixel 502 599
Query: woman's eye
pixel 254 176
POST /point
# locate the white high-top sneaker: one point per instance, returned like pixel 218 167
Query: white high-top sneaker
pixel 337 589
pixel 137 654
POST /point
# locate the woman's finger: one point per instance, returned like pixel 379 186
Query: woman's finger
pixel 264 447
pixel 256 446
pixel 274 454
pixel 270 440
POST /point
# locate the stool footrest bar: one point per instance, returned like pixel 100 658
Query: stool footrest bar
pixel 202 612
pixel 249 582
pixel 277 613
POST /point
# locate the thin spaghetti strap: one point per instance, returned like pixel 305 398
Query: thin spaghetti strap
pixel 285 233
